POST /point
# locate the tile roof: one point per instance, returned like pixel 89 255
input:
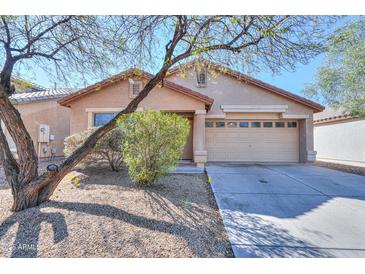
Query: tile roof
pixel 22 85
pixel 45 94
pixel 331 114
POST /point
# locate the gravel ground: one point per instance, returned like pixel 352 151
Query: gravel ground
pixel 345 168
pixel 42 167
pixel 106 215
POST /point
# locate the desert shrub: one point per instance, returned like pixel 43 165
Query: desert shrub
pixel 153 143
pixel 72 142
pixel 108 148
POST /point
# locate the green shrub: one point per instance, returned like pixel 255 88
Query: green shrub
pixel 153 143
pixel 108 148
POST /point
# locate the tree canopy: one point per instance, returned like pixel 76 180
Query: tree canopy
pixel 82 49
pixel 64 47
pixel 340 82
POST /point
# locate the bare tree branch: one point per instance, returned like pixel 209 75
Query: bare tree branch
pixel 32 40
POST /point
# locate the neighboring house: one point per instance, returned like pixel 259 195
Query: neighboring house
pixel 39 109
pixel 233 117
pixel 339 138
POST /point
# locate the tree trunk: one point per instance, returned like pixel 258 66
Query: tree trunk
pixel 30 194
pixel 23 199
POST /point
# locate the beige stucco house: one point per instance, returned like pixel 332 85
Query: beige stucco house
pixel 233 117
pixel 339 138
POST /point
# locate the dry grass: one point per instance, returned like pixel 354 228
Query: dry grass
pixel 108 216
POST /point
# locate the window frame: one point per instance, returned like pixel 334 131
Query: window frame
pixel 96 113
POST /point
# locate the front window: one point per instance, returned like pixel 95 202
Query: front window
pixel 101 119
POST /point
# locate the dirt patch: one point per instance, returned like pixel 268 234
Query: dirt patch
pixel 106 215
pixel 345 168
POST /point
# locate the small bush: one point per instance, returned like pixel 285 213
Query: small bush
pixel 153 143
pixel 108 148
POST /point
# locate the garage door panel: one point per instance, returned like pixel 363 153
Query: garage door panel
pixel 225 140
pixel 253 144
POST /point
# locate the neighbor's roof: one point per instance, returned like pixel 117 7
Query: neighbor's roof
pixel 248 79
pixel 21 85
pixel 131 73
pixel 46 94
pixel 331 114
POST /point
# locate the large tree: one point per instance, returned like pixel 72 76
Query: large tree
pixel 340 82
pixel 86 44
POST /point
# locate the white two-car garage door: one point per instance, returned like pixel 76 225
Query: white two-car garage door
pixel 252 141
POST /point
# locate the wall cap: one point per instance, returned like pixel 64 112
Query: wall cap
pixel 255 108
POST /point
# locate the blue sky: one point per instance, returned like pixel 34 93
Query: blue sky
pixel 291 81
pixel 294 81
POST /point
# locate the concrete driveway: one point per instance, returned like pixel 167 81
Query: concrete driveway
pixel 290 210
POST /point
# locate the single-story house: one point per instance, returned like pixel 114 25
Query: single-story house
pixel 339 137
pixel 233 117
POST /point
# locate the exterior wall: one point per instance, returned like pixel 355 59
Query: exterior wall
pixel 228 91
pixel 341 141
pixel 117 97
pixel 50 113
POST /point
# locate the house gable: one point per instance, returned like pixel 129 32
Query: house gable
pixel 133 74
pixel 229 91
pixel 226 80
pixel 115 97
